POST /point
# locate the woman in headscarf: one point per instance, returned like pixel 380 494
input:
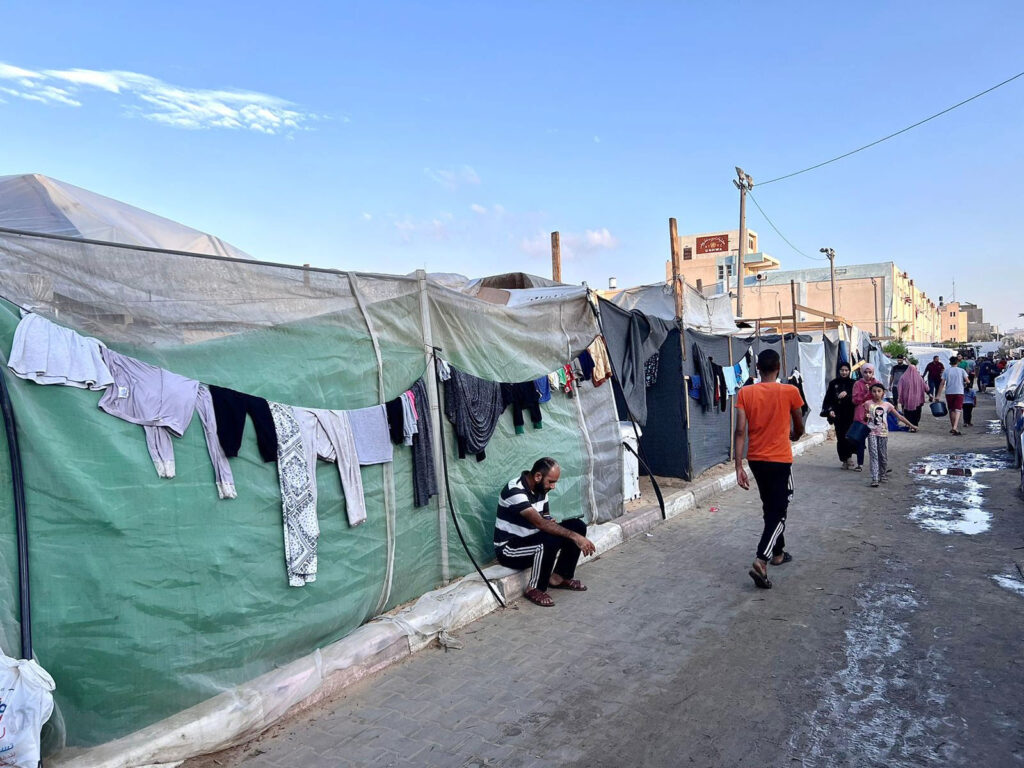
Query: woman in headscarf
pixel 839 405
pixel 912 393
pixel 862 387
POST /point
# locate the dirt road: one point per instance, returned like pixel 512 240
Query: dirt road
pixel 893 639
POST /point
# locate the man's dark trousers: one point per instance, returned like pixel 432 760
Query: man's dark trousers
pixel 774 484
pixel 538 552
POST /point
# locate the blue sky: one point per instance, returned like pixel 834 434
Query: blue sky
pixel 455 136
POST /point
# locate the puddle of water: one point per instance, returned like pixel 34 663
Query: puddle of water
pixel 951 500
pixel 993 427
pixel 1012 583
pixel 866 715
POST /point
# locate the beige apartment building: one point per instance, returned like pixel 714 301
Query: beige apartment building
pixel 879 298
pixel 709 259
pixel 953 322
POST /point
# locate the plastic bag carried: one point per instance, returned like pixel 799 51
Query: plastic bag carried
pixel 26 702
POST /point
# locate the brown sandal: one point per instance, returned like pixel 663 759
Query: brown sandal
pixel 535 596
pixel 572 584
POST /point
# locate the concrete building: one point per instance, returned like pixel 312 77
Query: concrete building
pixel 977 328
pixel 709 259
pixel 879 298
pixel 952 322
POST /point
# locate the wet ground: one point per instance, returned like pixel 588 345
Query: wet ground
pixel 894 638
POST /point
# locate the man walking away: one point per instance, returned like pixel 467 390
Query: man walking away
pixel 954 381
pixel 933 372
pixel 771 413
pixel 526 536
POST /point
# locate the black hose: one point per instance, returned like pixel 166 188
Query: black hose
pixel 448 493
pixel 18 488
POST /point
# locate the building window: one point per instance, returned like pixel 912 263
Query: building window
pixel 724 270
pixel 687 253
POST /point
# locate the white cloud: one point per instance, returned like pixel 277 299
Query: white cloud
pixel 367 216
pixel 597 139
pixel 599 238
pixel 477 208
pixel 573 244
pixel 453 178
pixel 153 99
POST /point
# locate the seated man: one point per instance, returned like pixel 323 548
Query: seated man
pixel 526 536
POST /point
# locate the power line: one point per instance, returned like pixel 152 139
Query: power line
pixel 897 133
pixel 772 224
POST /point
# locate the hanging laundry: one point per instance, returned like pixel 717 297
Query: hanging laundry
pixel 522 396
pixel 371 434
pixel 556 380
pixel 569 380
pixel 298 498
pixel 328 435
pixel 543 385
pixel 693 386
pixel 163 403
pixel 444 370
pixel 395 410
pixel 707 377
pixel 743 369
pixel 721 389
pixel 797 380
pixel 651 370
pixel 731 384
pixel 424 477
pixel 602 364
pixel 586 365
pixel 47 353
pixel 231 408
pixel 408 418
pixel 473 406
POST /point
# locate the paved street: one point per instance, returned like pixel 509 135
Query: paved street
pixel 893 639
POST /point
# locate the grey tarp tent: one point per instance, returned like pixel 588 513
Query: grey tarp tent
pixel 150 595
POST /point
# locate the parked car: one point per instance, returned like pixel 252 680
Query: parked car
pixel 1013 422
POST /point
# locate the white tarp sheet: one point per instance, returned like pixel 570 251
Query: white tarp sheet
pixel 712 314
pixel 812 367
pixel 1005 381
pixel 924 355
pixel 37 203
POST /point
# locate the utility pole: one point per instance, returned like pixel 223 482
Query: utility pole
pixel 556 257
pixel 744 183
pixel 832 272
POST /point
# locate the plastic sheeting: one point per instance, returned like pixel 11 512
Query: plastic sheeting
pixel 702 313
pixel 38 203
pixel 812 368
pixel 151 596
pixel 709 433
pixel 924 355
pixel 665 438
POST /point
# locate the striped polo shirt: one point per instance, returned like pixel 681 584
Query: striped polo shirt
pixel 516 497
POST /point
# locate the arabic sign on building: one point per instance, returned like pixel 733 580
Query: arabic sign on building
pixel 713 244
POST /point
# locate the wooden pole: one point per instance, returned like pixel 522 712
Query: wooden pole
pixel 782 341
pixel 792 294
pixel 673 242
pixel 556 257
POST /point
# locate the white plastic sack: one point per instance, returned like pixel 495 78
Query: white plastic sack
pixel 26 702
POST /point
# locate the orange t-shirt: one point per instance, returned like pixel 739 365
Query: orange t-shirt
pixel 768 407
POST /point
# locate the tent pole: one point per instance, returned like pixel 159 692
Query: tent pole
pixel 732 405
pixel 782 336
pixel 21 521
pixel 792 294
pixel 436 425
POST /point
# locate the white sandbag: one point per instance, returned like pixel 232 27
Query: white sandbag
pixel 26 702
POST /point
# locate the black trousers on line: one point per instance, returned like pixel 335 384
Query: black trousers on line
pixel 540 551
pixel 775 485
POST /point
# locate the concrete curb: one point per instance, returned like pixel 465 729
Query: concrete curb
pixel 239 715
